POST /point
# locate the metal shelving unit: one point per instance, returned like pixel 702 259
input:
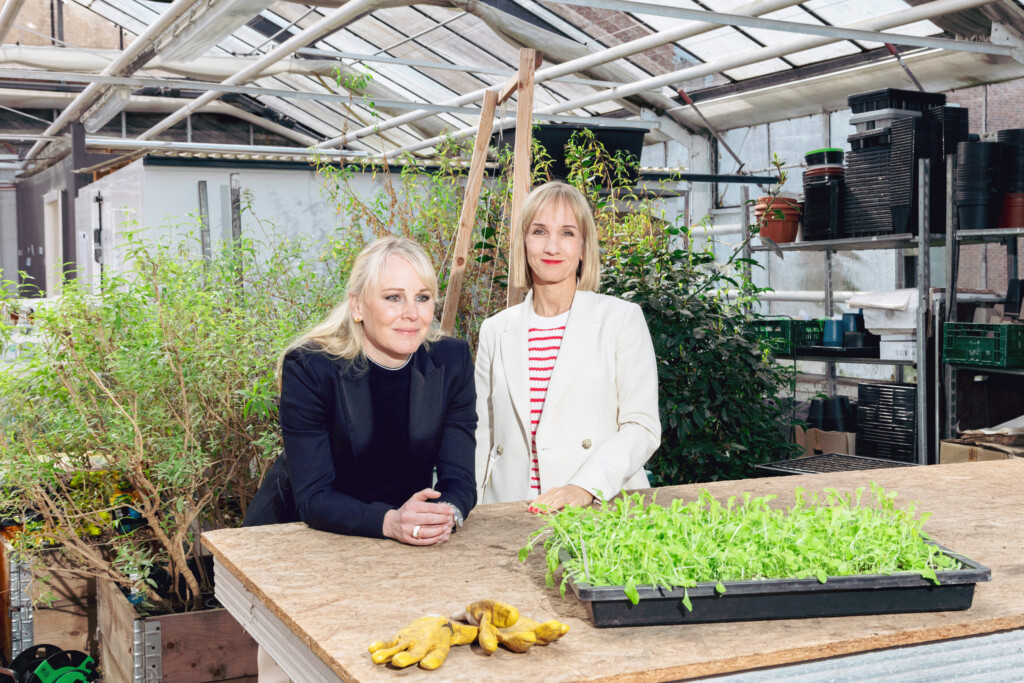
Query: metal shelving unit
pixel 957 237
pixel 921 242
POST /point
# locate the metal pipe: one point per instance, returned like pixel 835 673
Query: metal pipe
pixel 843 33
pixel 901 18
pixel 7 16
pixel 443 66
pixel 132 145
pixel 332 22
pixel 681 32
pixel 143 43
pixel 143 81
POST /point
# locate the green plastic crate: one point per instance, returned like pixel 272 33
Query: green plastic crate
pixel 776 332
pixel 807 333
pixel 999 346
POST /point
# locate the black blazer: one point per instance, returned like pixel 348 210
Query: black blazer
pixel 326 421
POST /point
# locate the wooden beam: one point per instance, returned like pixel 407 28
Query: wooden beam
pixel 512 84
pixel 521 160
pixel 467 217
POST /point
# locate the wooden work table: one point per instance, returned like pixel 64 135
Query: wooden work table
pixel 338 594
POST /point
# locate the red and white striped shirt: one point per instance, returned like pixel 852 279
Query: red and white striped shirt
pixel 545 338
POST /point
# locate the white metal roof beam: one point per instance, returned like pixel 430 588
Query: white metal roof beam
pixel 791 26
pixel 632 47
pixel 901 18
pixel 7 16
pixel 351 11
pixel 140 46
pixel 420 64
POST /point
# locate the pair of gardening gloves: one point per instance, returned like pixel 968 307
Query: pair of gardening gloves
pixel 490 622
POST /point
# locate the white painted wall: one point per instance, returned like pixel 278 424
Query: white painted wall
pixel 163 202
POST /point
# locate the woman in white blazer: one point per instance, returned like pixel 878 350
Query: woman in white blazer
pixel 567 381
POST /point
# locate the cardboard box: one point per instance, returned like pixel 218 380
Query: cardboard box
pixel 817 441
pixel 957 450
pixel 897 350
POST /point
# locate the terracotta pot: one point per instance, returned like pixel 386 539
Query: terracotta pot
pixel 1012 213
pixel 780 231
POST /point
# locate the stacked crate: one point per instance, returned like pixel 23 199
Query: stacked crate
pixel 887 421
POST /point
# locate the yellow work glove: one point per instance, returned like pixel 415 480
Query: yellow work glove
pixel 490 615
pixel 426 640
pixel 526 633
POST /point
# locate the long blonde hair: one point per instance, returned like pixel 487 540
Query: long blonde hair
pixel 339 335
pixel 590 263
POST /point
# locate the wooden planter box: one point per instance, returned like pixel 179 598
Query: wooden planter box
pixel 193 647
pixel 47 606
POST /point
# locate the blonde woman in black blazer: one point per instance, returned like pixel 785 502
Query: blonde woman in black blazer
pixel 598 421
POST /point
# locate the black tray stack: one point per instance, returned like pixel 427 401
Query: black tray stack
pixel 914 139
pixel 887 421
pixel 867 196
pixel 881 167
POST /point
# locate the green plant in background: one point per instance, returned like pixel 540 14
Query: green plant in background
pixel 720 395
pixel 627 543
pixel 147 412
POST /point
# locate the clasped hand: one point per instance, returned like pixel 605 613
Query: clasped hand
pixel 419 522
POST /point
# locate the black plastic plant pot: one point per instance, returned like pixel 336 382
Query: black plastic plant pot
pixel 829 155
pixel 554 137
pixel 840 596
pixel 976 216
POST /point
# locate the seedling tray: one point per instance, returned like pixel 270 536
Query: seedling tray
pixel 840 596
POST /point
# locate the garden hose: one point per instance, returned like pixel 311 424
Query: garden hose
pixel 67 666
pixel 50 664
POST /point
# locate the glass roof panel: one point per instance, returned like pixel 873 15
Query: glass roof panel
pixel 847 12
pixel 760 69
pixel 722 42
pixel 820 54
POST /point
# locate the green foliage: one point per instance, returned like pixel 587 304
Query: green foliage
pixel 626 543
pixel 161 387
pixel 719 391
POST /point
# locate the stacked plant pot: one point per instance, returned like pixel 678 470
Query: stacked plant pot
pixel 824 183
pixel 1011 214
pixel 778 218
pixel 978 191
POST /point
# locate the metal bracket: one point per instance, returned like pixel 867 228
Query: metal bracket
pixel 1002 34
pixel 22 635
pixel 148 652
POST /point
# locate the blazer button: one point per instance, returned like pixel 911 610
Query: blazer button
pixel 500 450
pixel 586 443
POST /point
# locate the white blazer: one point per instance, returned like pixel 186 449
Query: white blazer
pixel 600 422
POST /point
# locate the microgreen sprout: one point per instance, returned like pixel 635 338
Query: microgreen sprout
pixel 626 543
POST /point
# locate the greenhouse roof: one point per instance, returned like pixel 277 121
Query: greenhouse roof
pixel 385 76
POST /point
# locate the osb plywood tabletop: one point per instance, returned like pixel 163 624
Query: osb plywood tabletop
pixel 341 593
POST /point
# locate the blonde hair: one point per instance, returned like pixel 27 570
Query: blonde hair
pixel 589 272
pixel 339 335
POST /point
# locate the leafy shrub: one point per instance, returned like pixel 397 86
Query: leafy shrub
pixel 147 412
pixel 719 391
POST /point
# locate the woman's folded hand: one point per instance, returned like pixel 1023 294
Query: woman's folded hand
pixel 419 522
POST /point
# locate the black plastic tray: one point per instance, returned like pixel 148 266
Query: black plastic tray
pixel 840 596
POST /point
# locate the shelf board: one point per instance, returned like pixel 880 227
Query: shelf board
pixel 904 241
pixel 989 235
pixel 836 359
pixel 986 369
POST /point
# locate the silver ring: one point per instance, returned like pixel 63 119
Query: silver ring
pixel 416 531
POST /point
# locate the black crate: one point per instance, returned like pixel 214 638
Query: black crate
pixel 892 98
